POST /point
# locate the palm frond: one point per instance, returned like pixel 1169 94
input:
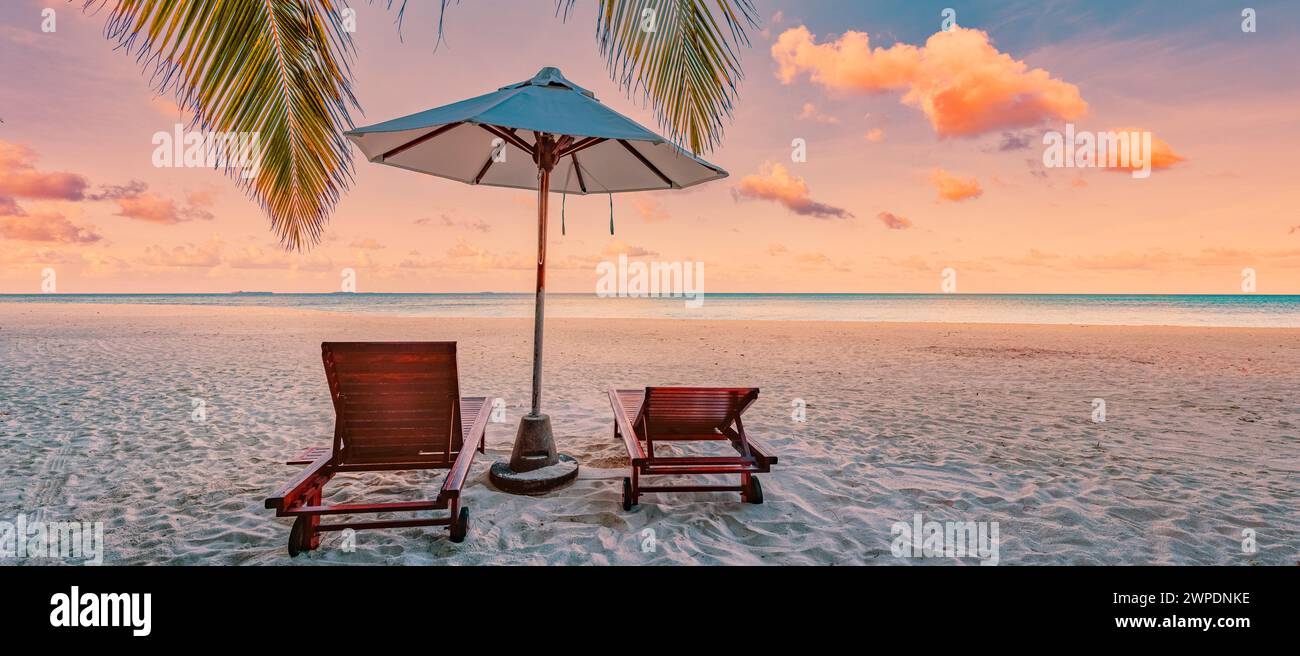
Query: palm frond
pixel 687 67
pixel 275 68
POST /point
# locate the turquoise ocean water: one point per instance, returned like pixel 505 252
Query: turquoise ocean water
pixel 1238 310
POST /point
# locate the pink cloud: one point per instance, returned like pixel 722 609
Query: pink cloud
pixel 650 209
pixel 8 207
pixel 811 113
pixel 894 221
pixel 963 85
pixel 19 177
pixel 153 208
pixel 45 227
pixel 776 184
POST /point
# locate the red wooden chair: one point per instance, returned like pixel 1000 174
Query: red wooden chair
pixel 670 414
pixel 397 406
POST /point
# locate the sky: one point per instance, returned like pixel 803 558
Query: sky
pixel 923 150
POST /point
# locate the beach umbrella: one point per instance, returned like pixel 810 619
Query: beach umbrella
pixel 549 134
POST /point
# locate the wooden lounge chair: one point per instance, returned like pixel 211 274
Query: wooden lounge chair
pixel 397 406
pixel 672 414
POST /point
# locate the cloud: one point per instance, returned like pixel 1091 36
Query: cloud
pixel 875 135
pixel 464 256
pixel 817 260
pixel 45 227
pixel 777 249
pixel 955 188
pixel 1015 141
pixel 479 225
pixel 894 221
pixel 366 244
pixel 963 85
pixel 776 184
pixel 616 247
pixel 19 177
pixel 152 208
pixel 776 19
pixel 810 113
pixel 8 207
pixel 1162 155
pixel 204 256
pixel 114 192
pixel 650 209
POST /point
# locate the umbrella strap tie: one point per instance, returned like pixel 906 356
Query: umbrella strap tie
pixel 611 214
pixel 563 197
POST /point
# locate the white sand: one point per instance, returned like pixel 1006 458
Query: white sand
pixel 958 422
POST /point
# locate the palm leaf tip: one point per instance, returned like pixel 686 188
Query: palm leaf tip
pixel 277 69
pixel 687 67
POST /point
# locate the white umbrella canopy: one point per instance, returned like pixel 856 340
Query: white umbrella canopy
pixel 609 152
pixel 526 136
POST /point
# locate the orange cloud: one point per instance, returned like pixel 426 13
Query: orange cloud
pixel 650 209
pixel 19 177
pixel 875 135
pixel 616 247
pixel 153 208
pixel 810 113
pixel 366 244
pixel 776 184
pixel 962 84
pixel 45 227
pixel 894 221
pixel 1162 155
pixel 955 188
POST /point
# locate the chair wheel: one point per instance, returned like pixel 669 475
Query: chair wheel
pixel 627 494
pixel 295 535
pixel 460 527
pixel 755 493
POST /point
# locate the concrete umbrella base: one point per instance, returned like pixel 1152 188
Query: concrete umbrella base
pixel 537 481
pixel 534 467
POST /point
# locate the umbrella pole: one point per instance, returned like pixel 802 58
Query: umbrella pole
pixel 543 190
pixel 534 442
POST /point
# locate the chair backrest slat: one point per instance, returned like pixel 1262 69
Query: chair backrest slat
pixel 396 402
pixel 694 409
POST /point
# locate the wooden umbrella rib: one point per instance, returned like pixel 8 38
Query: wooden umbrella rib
pixel 582 144
pixel 488 164
pixel 582 184
pixel 418 140
pixel 509 137
pixel 647 163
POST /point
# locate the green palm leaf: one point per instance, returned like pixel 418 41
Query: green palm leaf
pixel 276 68
pixel 280 69
pixel 686 67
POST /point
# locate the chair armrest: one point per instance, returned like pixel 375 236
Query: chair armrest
pixel 625 428
pixel 472 442
pixel 289 492
pixel 761 450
